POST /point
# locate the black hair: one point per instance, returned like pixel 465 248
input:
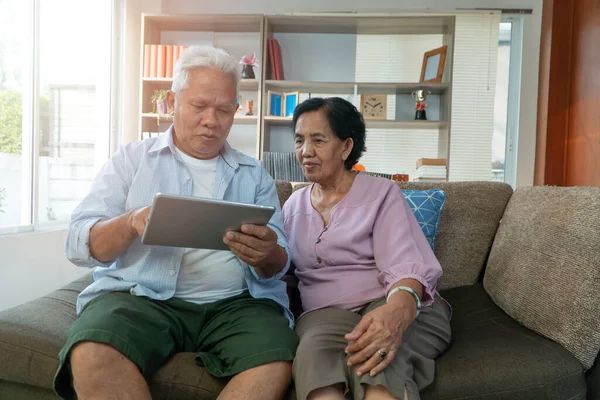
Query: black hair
pixel 344 120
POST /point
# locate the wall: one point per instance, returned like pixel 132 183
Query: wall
pixel 531 43
pixel 32 265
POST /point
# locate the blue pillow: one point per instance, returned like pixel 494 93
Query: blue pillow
pixel 426 205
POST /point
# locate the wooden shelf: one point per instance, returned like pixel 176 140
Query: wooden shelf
pixel 350 24
pixel 165 117
pixel 311 87
pixel 361 87
pixel 373 124
pixel 245 119
pixel 205 22
pixel 245 84
pixel 400 87
pixel 410 125
pixel 239 119
pixel 157 80
pixel 281 121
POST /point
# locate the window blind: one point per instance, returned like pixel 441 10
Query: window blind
pixel 473 94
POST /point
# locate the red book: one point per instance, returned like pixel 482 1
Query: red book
pixel 175 56
pixel 278 60
pixel 146 60
pixel 169 63
pixel 181 50
pixel 161 60
pixel 153 59
pixel 272 59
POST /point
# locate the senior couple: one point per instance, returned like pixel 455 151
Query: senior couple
pixel 372 322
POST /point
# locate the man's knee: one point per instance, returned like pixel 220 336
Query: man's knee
pixel 92 356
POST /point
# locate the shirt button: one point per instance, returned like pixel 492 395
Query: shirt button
pixel 319 260
pixel 318 241
pixel 171 272
pixel 187 178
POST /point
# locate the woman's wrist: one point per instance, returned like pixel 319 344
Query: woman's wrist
pixel 404 297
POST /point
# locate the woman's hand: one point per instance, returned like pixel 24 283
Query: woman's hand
pixel 380 331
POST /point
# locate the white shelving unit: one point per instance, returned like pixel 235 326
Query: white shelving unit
pixel 320 56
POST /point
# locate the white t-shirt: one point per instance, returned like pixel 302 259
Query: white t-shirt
pixel 207 275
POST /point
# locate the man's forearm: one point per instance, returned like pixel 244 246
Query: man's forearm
pixel 110 238
pixel 276 261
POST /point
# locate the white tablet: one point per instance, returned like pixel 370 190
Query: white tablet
pixel 199 223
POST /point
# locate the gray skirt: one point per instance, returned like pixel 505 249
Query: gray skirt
pixel 320 360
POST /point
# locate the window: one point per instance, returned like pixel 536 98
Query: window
pixel 15 26
pixel 64 100
pixel 506 105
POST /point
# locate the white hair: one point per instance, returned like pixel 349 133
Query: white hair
pixel 195 57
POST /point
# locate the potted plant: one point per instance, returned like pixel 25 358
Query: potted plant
pixel 248 62
pixel 159 104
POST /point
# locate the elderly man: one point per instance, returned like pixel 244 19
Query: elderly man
pixel 147 303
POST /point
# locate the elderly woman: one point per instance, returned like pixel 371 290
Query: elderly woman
pixel 373 323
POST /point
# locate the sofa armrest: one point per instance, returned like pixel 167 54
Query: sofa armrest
pixel 32 334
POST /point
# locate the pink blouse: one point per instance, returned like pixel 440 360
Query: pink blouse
pixel 372 241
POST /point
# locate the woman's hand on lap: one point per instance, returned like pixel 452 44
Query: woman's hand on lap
pixel 380 330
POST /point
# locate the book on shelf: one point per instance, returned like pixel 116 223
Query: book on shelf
pixel 146 60
pixel 282 166
pixel 278 60
pixel 169 62
pixel 176 55
pixel 160 60
pixel 430 171
pixel 275 60
pixel 153 56
pixel 431 162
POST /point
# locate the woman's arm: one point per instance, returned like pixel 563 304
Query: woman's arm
pixel 401 249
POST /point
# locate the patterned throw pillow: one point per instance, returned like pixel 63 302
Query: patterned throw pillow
pixel 426 205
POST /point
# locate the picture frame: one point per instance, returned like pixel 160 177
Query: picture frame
pixel 434 62
pixel 291 101
pixel 274 103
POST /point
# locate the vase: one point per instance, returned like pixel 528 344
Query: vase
pixel 161 107
pixel 248 72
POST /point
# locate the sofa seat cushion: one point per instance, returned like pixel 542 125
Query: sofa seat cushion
pixel 181 379
pixel 493 357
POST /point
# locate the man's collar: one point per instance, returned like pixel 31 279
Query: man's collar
pixel 230 156
pixel 163 141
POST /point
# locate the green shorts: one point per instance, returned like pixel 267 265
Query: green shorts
pixel 228 336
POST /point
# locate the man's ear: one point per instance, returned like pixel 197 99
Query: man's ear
pixel 170 101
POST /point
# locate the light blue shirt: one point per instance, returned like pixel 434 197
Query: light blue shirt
pixel 129 180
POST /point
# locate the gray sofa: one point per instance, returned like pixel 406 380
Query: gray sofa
pixel 503 254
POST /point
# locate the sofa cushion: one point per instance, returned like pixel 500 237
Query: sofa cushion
pixel 493 357
pixel 284 191
pixel 544 268
pixel 468 224
pixel 426 206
